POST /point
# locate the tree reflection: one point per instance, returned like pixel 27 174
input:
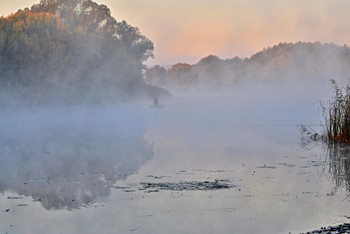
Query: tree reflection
pixel 67 164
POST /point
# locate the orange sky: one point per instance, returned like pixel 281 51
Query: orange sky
pixel 188 30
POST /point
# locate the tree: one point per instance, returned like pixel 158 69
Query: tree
pixel 137 44
pixel 156 75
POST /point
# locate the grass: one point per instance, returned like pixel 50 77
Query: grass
pixel 337 115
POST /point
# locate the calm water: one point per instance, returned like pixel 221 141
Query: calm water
pixel 81 169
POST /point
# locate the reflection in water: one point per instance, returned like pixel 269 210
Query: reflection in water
pixel 68 159
pixel 64 163
pixel 338 157
pixel 339 165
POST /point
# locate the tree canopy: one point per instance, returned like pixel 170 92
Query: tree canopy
pixel 71 51
pixel 285 62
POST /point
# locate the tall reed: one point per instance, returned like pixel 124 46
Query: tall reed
pixel 337 115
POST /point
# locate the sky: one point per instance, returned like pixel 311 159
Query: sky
pixel 188 30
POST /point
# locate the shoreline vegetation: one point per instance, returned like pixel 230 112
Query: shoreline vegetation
pixel 336 114
pixel 299 62
pixel 336 137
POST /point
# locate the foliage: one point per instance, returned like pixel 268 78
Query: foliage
pixel 96 19
pixel 137 44
pixel 295 62
pixel 34 45
pixel 156 75
pixel 70 51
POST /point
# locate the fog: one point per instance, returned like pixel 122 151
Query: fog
pixel 92 160
pixel 67 157
pixel 300 64
pixel 238 117
pixel 81 132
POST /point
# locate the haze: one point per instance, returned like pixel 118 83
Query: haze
pixel 187 31
pixel 82 131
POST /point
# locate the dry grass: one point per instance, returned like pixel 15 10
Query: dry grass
pixel 337 115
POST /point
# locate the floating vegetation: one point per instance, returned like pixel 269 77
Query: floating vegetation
pixel 14 198
pixel 188 185
pixel 267 167
pixel 287 164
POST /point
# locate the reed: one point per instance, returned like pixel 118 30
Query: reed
pixel 336 114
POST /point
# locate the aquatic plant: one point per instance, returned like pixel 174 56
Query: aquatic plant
pixel 336 124
pixel 336 114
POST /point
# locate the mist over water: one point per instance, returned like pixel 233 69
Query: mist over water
pixel 92 142
pixel 239 119
pixel 92 161
pixel 67 157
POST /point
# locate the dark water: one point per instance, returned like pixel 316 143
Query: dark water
pixel 84 169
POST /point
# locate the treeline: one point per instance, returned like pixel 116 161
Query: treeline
pixel 71 51
pixel 283 62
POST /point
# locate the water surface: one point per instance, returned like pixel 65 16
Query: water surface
pixel 83 169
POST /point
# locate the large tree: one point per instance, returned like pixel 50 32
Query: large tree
pixel 71 50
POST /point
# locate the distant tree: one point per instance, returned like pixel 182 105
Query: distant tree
pixel 156 75
pixel 180 74
pixel 280 63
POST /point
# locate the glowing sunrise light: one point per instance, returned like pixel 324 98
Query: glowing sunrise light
pixel 189 30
